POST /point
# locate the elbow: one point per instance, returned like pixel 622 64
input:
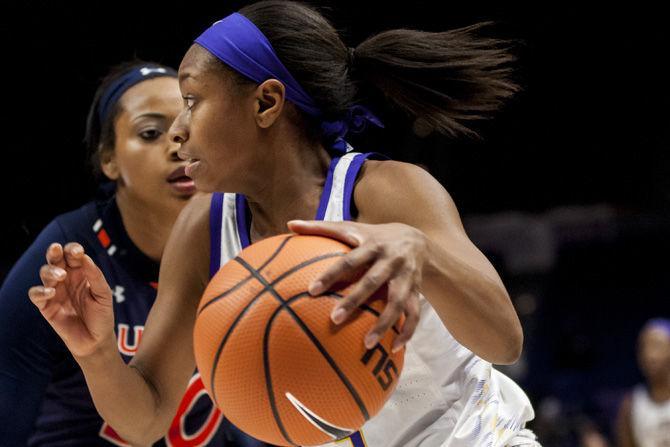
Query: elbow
pixel 514 346
pixel 510 336
pixel 510 352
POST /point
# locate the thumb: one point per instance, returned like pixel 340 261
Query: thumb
pixel 97 282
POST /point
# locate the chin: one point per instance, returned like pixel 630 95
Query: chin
pixel 204 182
pixel 202 185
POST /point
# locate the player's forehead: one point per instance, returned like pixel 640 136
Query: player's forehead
pixel 196 62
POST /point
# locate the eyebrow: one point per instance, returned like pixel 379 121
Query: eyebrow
pixel 149 115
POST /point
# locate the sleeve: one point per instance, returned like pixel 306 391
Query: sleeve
pixel 28 345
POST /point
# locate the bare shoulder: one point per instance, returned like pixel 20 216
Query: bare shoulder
pixel 393 191
pixel 196 211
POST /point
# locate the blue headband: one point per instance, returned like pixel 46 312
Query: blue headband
pixel 658 323
pixel 113 93
pixel 238 43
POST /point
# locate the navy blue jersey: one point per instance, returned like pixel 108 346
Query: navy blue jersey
pixel 44 399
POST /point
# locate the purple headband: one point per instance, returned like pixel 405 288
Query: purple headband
pixel 238 43
pixel 658 323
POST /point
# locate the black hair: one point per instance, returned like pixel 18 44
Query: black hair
pixel 444 80
pixel 99 136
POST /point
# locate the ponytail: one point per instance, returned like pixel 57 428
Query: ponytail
pixel 445 79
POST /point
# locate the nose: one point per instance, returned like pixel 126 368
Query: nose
pixel 173 150
pixel 178 132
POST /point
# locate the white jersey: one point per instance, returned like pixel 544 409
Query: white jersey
pixel 650 420
pixel 446 395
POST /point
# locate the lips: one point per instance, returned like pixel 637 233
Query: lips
pixel 180 182
pixel 178 174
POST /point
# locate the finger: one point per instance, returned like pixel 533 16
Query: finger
pixel 98 284
pixel 40 295
pixel 412 314
pixel 346 232
pixel 398 292
pixel 51 275
pixel 55 255
pixel 343 268
pixel 74 254
pixel 373 279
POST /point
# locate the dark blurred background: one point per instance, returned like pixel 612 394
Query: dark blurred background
pixel 567 191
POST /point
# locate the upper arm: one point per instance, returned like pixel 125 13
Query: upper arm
pixel 390 191
pixel 27 343
pixel 165 356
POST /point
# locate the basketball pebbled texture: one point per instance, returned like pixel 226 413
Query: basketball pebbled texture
pixel 272 359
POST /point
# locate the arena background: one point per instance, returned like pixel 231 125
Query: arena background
pixel 568 190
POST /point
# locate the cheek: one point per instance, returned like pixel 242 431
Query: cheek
pixel 139 165
pixel 223 131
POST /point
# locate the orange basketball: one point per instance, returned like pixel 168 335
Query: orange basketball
pixel 270 356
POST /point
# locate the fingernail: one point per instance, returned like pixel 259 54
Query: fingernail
pixel 59 272
pixel 315 288
pixel 77 250
pixel 371 340
pixel 49 290
pixel 338 315
pixel 396 347
pixel 296 222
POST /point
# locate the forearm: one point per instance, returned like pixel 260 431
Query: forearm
pixel 473 305
pixel 124 398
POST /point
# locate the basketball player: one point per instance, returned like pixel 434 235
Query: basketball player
pixel 644 416
pixel 43 396
pixel 270 95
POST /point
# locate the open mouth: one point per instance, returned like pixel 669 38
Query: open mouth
pixel 181 182
pixel 178 175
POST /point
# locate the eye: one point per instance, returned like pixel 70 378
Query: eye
pixel 189 102
pixel 150 134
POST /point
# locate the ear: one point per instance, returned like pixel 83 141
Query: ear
pixel 269 100
pixel 108 164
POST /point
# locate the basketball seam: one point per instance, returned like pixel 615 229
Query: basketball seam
pixel 331 362
pixel 267 288
pixel 314 340
pixel 366 308
pixel 266 358
pixel 266 361
pixel 266 368
pixel 245 280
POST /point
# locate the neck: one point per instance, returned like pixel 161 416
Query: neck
pixel 659 389
pixel 147 226
pixel 287 185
